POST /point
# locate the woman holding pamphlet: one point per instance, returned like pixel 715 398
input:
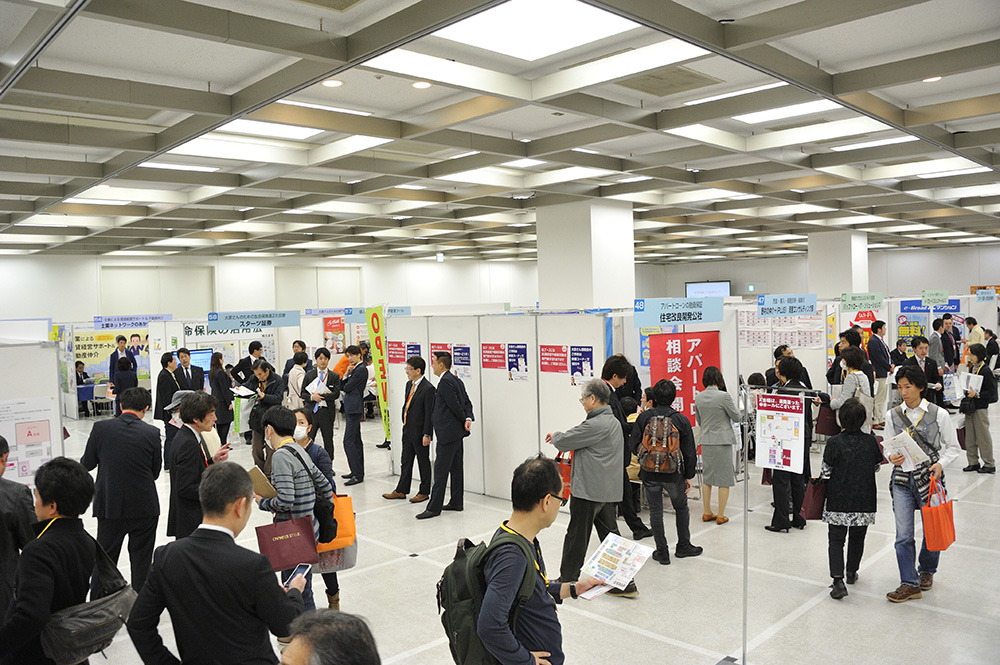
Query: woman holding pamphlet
pixel 270 388
pixel 979 395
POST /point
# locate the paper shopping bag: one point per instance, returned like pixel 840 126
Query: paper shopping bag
pixel 765 477
pixel 565 463
pixel 287 544
pixel 335 561
pixel 242 406
pixel 939 522
pixel 343 512
pixel 814 499
pixel 826 422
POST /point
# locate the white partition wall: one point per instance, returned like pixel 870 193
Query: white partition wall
pixel 463 332
pixel 311 332
pixel 411 331
pixel 508 415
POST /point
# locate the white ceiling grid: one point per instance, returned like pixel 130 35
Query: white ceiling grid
pixel 376 167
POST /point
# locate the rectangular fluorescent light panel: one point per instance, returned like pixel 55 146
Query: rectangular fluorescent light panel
pixel 635 178
pixel 738 93
pixel 783 112
pixel 874 144
pixel 179 167
pixel 531 30
pixel 410 187
pixel 321 107
pixel 946 174
pixel 97 202
pixel 523 163
pixel 269 129
pixel 585 151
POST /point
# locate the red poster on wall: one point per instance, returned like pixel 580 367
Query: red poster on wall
pixel 494 356
pixel 334 334
pixel 397 353
pixel 681 358
pixel 554 358
pixel 437 346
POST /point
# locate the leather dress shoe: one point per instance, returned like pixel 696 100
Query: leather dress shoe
pixel 426 515
pixel 971 467
pixel 394 495
pixel 384 444
pixel 347 475
pixel 420 498
pixel 644 532
pixel 354 481
pixel 775 529
pixel 448 506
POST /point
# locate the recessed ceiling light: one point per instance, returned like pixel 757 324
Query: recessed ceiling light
pixel 874 144
pixel 300 211
pixel 727 95
pixel 270 129
pixel 797 191
pixel 333 83
pixel 585 151
pixel 933 79
pixel 400 218
pixel 783 112
pixel 354 182
pixel 519 226
pixel 179 167
pixel 693 170
pixel 523 163
pixel 322 107
pixel 745 197
pixel 635 178
pixel 525 140
pixel 640 210
pixel 945 174
pixel 247 209
pixel 410 187
pixel 530 30
pixel 421 85
pixel 97 202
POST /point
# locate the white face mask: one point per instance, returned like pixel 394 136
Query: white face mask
pixel 300 432
pixel 176 421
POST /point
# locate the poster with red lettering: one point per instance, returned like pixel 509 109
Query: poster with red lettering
pixel 681 358
pixel 397 353
pixel 553 358
pixel 438 347
pixel 494 356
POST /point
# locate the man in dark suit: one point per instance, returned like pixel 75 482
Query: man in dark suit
pixel 190 377
pixel 898 355
pixel 224 599
pixel 878 354
pixel 166 386
pixel 126 453
pixel 16 517
pixel 452 418
pixel 836 373
pixel 297 346
pixel 323 405
pixel 243 372
pixel 951 343
pixel 190 459
pixel 417 430
pixel 930 369
pixel 785 351
pixel 120 352
pixel 55 567
pixel 81 380
pixel 353 387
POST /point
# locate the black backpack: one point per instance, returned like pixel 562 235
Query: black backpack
pixel 323 508
pixel 460 595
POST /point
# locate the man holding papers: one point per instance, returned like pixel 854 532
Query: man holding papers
pixel 320 390
pixel 930 428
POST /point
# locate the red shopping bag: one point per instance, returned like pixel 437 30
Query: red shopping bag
pixel 287 544
pixel 565 463
pixel 826 421
pixel 765 477
pixel 939 522
pixel 814 500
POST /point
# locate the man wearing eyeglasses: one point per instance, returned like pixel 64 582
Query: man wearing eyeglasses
pixel 595 481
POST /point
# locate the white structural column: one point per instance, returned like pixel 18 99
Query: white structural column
pixel 838 263
pixel 586 255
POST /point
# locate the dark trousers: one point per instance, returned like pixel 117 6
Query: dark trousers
pixel 855 548
pixel 783 484
pixel 678 498
pixel 448 462
pixel 324 425
pixel 332 584
pixel 630 503
pixel 415 448
pixel 353 447
pixel 584 517
pixel 168 438
pixel 141 532
pixel 223 430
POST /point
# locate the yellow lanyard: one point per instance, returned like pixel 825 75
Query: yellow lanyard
pixel 541 572
pixel 46 528
pixel 913 428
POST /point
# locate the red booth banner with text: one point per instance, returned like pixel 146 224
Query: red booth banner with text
pixel 681 358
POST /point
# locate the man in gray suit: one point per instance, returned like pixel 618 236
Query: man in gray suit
pixel 936 352
pixel 595 484
pixel 17 514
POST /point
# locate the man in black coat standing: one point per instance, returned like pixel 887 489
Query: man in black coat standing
pixel 16 517
pixel 452 417
pixel 166 386
pixel 126 453
pixel 353 386
pixel 934 374
pixel 417 430
pixel 322 404
pixel 190 377
pixel 224 599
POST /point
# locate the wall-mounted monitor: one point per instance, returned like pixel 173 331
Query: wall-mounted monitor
pixel 720 289
pixel 202 358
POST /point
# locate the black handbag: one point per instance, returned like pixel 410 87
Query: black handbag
pixel 75 633
pixel 323 508
pixel 967 405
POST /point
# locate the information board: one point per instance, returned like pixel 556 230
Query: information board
pixel 781 432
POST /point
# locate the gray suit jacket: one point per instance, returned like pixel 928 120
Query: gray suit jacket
pixel 936 352
pixel 597 445
pixel 716 412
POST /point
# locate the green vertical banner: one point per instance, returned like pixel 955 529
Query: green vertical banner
pixel 376 335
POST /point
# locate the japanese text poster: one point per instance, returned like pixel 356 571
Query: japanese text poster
pixel 581 364
pixel 682 358
pixel 553 358
pixel 461 361
pixel 334 334
pixel 517 362
pixel 494 356
pixel 781 432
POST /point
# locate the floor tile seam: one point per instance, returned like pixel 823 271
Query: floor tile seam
pixel 963 546
pixel 399 657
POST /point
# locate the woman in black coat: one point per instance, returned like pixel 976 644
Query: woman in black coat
pixel 978 441
pixel 850 461
pixel 125 378
pixel 270 390
pixel 221 385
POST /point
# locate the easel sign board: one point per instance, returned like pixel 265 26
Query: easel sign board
pixel 781 430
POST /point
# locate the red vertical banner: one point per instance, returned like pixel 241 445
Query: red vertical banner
pixel 681 358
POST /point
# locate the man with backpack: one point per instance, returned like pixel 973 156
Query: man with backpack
pixel 664 443
pixel 595 484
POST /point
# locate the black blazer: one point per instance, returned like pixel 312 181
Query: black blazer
pixel 123 381
pixel 419 417
pixel 221 387
pixel 878 354
pixel 631 388
pixel 187 463
pixel 128 457
pixel 197 378
pixel 353 388
pixel 54 573
pixel 771 378
pixel 834 375
pixel 332 382
pixel 243 370
pixel 223 600
pixel 16 516
pixel 274 390
pixel 452 407
pixel 898 357
pixel 993 351
pixel 949 346
pixel 166 386
pixel 81 378
pixel 933 376
pixel 113 363
pixel 988 391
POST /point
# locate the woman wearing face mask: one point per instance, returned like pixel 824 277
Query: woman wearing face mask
pixel 270 388
pixel 319 456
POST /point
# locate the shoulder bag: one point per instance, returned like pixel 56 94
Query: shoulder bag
pixel 323 509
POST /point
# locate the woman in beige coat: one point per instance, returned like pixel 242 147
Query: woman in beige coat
pixel 715 413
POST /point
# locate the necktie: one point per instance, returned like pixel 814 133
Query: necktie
pixel 204 449
pixel 413 389
pixel 322 380
pixel 187 372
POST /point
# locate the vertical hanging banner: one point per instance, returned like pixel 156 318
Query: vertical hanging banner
pixel 681 358
pixel 376 333
pixel 781 425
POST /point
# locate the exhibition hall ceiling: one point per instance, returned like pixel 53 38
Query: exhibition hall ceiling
pixel 436 128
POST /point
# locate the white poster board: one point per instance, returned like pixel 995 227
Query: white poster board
pixel 30 416
pixel 781 429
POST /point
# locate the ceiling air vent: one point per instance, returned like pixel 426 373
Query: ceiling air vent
pixel 669 81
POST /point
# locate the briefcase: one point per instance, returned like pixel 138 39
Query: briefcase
pixel 287 544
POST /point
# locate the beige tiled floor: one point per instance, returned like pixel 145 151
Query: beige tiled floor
pixel 688 613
